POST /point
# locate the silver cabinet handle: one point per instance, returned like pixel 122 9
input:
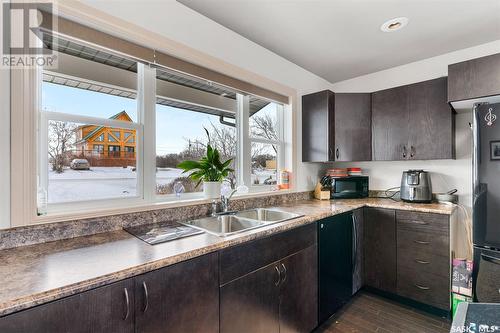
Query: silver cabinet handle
pixel 146 296
pixel 284 273
pixel 415 222
pixel 421 242
pixel 127 304
pixel 337 153
pixel 423 262
pixel 279 276
pixel 404 151
pixel 422 287
pixel 412 151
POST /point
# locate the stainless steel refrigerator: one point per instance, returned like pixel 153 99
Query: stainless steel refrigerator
pixel 486 202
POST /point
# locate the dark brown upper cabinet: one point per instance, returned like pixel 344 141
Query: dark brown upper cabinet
pixel 413 122
pixel 336 127
pixel 474 78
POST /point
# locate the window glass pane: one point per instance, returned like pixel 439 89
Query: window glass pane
pixel 88 161
pixel 80 170
pixel 187 108
pixel 89 82
pixel 180 136
pixel 264 164
pixel 263 119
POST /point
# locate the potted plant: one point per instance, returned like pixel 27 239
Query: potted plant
pixel 209 170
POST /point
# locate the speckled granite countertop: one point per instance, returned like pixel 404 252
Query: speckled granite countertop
pixel 36 274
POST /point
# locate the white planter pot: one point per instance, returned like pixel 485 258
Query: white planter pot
pixel 211 190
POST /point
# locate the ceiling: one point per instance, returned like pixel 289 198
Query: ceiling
pixel 341 39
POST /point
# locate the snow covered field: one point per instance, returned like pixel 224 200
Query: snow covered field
pixel 99 183
pixel 110 182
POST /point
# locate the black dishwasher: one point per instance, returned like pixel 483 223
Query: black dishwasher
pixel 337 262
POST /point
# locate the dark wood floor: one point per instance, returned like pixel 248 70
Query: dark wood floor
pixel 370 313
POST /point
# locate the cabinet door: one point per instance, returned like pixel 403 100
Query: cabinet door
pixel 335 263
pixel 380 249
pixel 390 124
pixel 100 310
pixel 318 127
pixel 299 291
pixel 474 78
pixel 251 303
pixel 353 133
pixel 357 279
pixel 179 298
pixel 432 128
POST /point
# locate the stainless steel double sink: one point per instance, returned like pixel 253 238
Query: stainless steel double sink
pixel 227 224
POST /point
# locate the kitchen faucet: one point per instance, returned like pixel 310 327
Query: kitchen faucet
pixel 224 200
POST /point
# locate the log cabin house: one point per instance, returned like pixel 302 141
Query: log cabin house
pixel 106 146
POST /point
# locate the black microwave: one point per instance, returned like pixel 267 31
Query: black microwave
pixel 351 187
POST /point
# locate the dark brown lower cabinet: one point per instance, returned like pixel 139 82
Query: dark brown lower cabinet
pixel 280 297
pixel 179 298
pixel 380 257
pixel 424 258
pixel 299 291
pixel 105 309
pixel 251 303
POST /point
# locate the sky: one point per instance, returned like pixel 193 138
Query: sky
pixel 173 126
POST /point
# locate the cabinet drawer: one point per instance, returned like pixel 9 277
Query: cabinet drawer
pixel 426 288
pixel 422 242
pixel 425 222
pixel 424 263
pixel 244 258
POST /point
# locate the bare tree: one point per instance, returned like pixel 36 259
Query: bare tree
pixel 62 139
pixel 222 138
pixel 264 127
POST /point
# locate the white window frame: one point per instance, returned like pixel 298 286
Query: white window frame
pixel 4 140
pixel 280 154
pixel 143 116
pixel 28 88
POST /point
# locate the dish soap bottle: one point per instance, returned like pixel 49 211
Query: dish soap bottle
pixel 284 180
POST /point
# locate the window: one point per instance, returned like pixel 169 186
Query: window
pixel 266 141
pixel 129 125
pixel 99 148
pixel 183 129
pixel 81 106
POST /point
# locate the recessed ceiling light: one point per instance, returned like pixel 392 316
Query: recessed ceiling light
pixel 394 24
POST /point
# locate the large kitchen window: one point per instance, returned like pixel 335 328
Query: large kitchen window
pixel 111 131
pixel 87 103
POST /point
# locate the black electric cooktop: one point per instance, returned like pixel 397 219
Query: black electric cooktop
pixel 162 232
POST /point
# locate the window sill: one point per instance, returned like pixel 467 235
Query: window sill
pixel 144 207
